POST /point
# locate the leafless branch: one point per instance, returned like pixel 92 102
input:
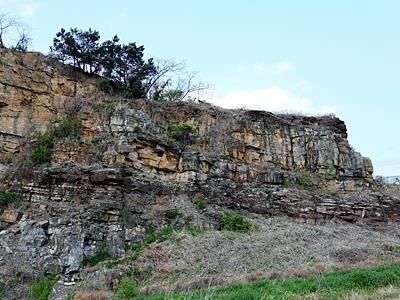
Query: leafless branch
pixel 6 23
pixel 172 82
pixel 24 39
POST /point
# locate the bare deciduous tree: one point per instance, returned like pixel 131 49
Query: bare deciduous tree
pixel 6 23
pixel 24 39
pixel 172 82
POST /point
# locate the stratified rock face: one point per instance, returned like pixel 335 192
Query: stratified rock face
pixel 105 190
pixel 35 91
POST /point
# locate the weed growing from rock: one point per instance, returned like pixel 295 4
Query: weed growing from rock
pixel 43 150
pixel 6 196
pixel 182 133
pixel 41 289
pixel 201 204
pixel 66 127
pixel 95 259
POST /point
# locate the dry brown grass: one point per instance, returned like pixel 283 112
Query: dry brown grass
pixel 387 293
pixel 92 295
pixel 217 280
pixel 279 248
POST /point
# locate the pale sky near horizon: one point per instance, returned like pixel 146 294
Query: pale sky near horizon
pixel 306 56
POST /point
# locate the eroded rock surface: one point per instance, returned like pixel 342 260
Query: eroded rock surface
pixel 108 189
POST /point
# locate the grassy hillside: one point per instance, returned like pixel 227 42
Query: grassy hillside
pixel 373 283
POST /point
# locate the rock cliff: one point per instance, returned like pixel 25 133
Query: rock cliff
pixel 106 189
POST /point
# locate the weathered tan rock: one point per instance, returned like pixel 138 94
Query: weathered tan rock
pixel 9 216
pixel 35 90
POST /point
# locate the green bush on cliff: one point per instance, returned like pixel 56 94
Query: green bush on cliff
pixel 304 179
pixel 43 150
pixel 6 196
pixel 96 258
pixel 67 127
pixel 181 133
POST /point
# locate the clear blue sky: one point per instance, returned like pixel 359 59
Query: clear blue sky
pixel 315 56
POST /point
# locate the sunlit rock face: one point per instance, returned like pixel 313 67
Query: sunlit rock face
pixel 107 188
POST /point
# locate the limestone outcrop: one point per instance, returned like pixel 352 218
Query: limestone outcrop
pixel 108 188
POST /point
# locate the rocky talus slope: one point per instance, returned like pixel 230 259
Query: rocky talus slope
pixel 107 189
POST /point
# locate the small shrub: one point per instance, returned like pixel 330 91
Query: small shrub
pixel 286 182
pixel 105 85
pixel 67 127
pixel 234 222
pixel 41 289
pixel 174 95
pixel 6 196
pixel 126 290
pixel 171 213
pixel 181 133
pixel 200 203
pixel 43 150
pixel 331 172
pixel 195 231
pixel 95 259
pixel 124 213
pixel 304 179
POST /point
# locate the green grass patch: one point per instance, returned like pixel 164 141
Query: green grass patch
pixel 43 149
pixel 126 290
pixel 96 258
pixel 6 196
pixel 171 213
pixel 234 222
pixel 326 286
pixel 182 133
pixel 304 179
pixel 67 127
pixel 200 203
pixel 41 289
pixel 195 231
pixel 152 237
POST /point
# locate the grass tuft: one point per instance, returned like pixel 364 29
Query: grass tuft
pixel 200 203
pixel 95 259
pixel 171 213
pixel 235 222
pixel 41 289
pixel 6 196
